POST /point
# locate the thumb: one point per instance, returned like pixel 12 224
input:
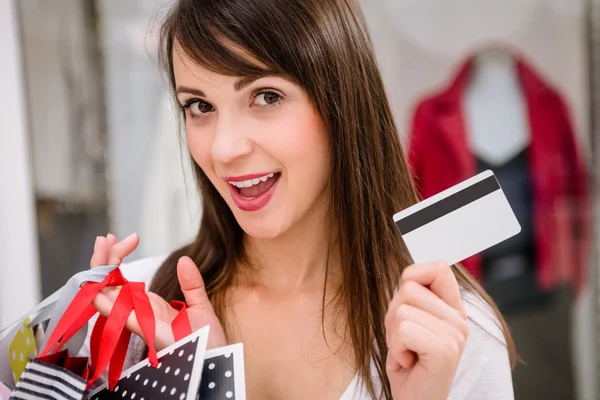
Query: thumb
pixel 192 285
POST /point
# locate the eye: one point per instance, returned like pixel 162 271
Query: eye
pixel 197 108
pixel 267 99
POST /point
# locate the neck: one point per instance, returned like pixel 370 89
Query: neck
pixel 488 71
pixel 295 260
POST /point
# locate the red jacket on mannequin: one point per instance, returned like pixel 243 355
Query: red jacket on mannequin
pixel 440 157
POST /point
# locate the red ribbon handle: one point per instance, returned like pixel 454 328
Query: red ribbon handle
pixel 80 306
pixel 110 338
pixel 181 323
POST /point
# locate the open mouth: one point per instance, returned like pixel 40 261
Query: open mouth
pixel 253 188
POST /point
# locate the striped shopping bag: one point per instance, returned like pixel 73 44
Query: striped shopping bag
pixel 54 377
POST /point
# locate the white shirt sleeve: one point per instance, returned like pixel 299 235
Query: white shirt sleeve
pixel 484 370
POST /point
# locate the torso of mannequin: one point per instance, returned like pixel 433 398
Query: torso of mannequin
pixel 495 110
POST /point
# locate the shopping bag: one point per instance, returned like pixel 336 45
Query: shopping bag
pixel 22 349
pixel 110 339
pixel 223 376
pixel 53 377
pixel 186 370
pixel 49 311
pixel 5 392
pixel 177 376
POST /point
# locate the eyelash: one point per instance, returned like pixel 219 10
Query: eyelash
pixel 190 102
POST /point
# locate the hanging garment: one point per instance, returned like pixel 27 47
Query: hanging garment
pixel 440 157
pixel 508 269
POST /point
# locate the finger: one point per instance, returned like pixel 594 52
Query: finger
pixel 192 284
pixel 111 240
pixel 104 305
pixel 406 360
pixel 416 295
pixel 439 327
pixel 439 277
pixel 100 256
pixel 111 292
pixel 163 336
pixel 416 338
pixel 123 248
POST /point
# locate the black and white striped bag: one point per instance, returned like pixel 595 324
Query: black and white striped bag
pixel 54 377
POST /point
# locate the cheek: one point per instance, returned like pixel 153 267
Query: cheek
pixel 199 146
pixel 310 142
pixel 306 153
pixel 304 139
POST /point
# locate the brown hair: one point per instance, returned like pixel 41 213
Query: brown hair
pixel 324 46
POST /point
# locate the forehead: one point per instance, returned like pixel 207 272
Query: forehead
pixel 188 72
pixel 185 63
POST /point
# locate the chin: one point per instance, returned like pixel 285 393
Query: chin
pixel 262 229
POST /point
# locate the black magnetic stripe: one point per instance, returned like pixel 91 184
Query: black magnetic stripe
pixel 447 205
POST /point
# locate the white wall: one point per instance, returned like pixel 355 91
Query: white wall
pixel 421 43
pixel 19 274
pixel 133 97
pixel 149 190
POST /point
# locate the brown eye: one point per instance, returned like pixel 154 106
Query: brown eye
pixel 200 107
pixel 267 98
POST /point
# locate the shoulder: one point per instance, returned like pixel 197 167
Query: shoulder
pixel 142 270
pixel 484 371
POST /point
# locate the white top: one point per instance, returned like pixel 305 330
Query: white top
pixel 483 372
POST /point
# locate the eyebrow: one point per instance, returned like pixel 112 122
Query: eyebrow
pixel 240 84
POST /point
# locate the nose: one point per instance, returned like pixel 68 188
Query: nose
pixel 230 141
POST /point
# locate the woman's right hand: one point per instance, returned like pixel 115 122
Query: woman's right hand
pixel 107 251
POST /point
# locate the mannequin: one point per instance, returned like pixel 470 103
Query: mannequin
pixel 495 110
pixel 495 115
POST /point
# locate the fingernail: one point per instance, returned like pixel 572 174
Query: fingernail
pixel 129 237
pixel 96 242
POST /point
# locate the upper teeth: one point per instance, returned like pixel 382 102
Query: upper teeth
pixel 251 182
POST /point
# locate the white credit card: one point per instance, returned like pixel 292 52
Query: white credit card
pixel 459 222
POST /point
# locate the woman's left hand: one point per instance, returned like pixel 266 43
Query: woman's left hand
pixel 426 331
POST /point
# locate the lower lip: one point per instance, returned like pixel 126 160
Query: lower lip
pixel 256 203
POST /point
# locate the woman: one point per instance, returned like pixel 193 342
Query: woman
pixel 300 169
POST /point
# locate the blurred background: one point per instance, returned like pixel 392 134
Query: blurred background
pixel 89 145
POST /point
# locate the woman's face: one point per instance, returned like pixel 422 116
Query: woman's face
pixel 261 143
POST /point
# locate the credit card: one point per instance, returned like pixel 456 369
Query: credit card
pixel 459 222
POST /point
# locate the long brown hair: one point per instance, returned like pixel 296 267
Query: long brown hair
pixel 324 46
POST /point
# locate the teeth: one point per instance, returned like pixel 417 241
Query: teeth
pixel 251 182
